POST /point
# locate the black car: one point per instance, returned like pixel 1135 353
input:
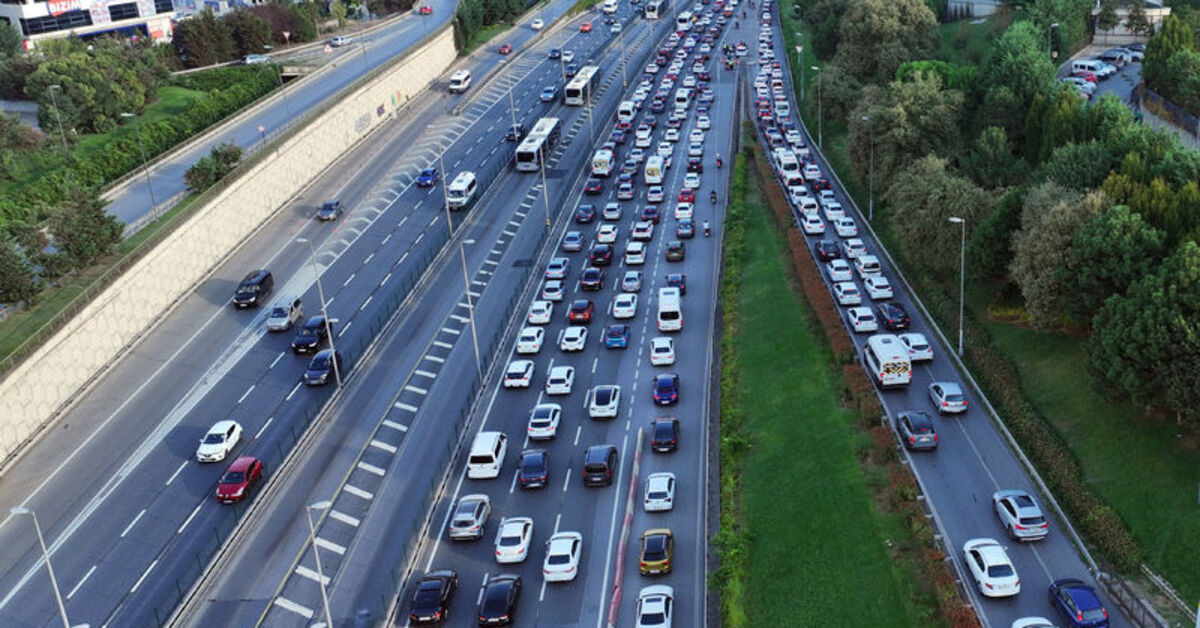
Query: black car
pixel 330 210
pixel 311 336
pixel 675 251
pixel 533 468
pixel 677 280
pixel 827 250
pixel 321 368
pixel 435 592
pixel 601 255
pixel 617 137
pixel 695 164
pixel 893 316
pixel 571 69
pixel 498 603
pixel 254 289
pixel 593 187
pixel 592 279
pixel 599 464
pixel 585 214
pixel 651 213
pixel 515 132
pixel 555 53
pixel 666 389
pixel 664 434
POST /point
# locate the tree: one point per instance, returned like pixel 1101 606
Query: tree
pixel 1049 222
pixel 95 89
pixel 17 282
pixel 203 40
pixel 1173 36
pixel 878 36
pixel 1144 344
pixel 1107 19
pixel 10 40
pixel 1180 80
pixel 337 9
pixel 1110 253
pixel 212 168
pixel 1079 167
pixel 82 229
pixel 991 162
pixel 250 33
pixel 989 250
pixel 1136 21
pixel 921 200
pixel 1015 69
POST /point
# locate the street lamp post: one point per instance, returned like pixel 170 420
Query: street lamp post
pixel 312 540
pixel 962 279
pixel 58 115
pixel 820 113
pixel 312 260
pixel 62 609
pixel 462 253
pixel 800 61
pixel 1050 38
pixel 145 165
pixel 279 74
pixel 871 173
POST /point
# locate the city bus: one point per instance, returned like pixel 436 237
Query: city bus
pixel 537 145
pixel 656 8
pixel 579 90
pixel 683 22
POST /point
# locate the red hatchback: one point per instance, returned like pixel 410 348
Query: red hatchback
pixel 586 27
pixel 581 312
pixel 242 475
pixel 505 49
pixel 425 10
pixel 687 195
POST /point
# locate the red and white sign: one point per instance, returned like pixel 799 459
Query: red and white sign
pixel 58 7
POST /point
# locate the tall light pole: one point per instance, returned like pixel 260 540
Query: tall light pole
pixel 800 61
pixel 279 74
pixel 820 113
pixel 58 114
pixel 621 45
pixel 312 260
pixel 1050 39
pixel 312 540
pixel 512 108
pixel 62 609
pixel 871 173
pixel 462 252
pixel 145 165
pixel 962 279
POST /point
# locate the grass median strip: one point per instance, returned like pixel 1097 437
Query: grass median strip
pixel 810 545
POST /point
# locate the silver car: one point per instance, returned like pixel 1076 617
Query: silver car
pixel 1020 515
pixel 283 317
pixel 947 397
pixel 470 516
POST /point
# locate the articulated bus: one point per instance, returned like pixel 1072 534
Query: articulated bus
pixel 579 90
pixel 538 144
pixel 656 9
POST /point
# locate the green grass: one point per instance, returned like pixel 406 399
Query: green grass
pixel 483 35
pixel 1139 465
pixel 170 101
pixel 817 556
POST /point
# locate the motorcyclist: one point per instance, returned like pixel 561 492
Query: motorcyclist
pixel 707 229
pixel 719 163
pixel 713 195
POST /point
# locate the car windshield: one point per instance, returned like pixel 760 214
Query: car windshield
pixel 663 430
pixel 652 618
pixel 604 396
pixel 278 313
pixel 308 331
pixel 234 477
pixel 214 439
pixel 247 289
pixel 319 364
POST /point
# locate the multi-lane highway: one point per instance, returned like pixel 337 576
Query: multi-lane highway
pixel 972 459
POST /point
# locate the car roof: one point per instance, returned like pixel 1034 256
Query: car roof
pixel 561 370
pixel 221 426
pixel 990 550
pixel 243 463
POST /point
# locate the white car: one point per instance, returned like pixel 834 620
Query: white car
pixel 811 172
pixel 847 293
pixel 918 348
pixel 655 606
pixel 695 149
pixel 530 340
pixel 671 135
pixel 684 211
pixel 812 224
pixel 568 56
pixel 607 234
pixel 846 227
pixel 560 380
pixel 557 268
pixel 991 568
pixel 696 136
pixel 612 211
pixel 878 287
pixel 691 181
pixel 660 492
pixel 537 24
pixel 573 338
pixel 839 270
pixel 624 306
pixel 221 438
pixel 1033 622
pixel 654 194
pixel 702 122
pixel 662 351
pixel 642 139
pixel 540 313
pixel 689 81
pixel 867 266
pixel 635 253
pixel 637 154
pixel 862 320
pixel 604 401
pixel 643 230
pixel 543 421
pixel 793 137
pixel 853 248
pixel 562 557
pixel 552 290
pixel 512 540
pixel 651 68
pixel 833 210
pixel 664 149
pixel 519 374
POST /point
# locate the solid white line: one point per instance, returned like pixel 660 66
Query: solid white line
pixel 378 444
pixel 396 426
pixel 144 574
pixel 132 523
pixel 81 581
pixel 330 545
pixel 404 406
pixel 357 492
pixel 189 519
pixel 263 428
pixel 301 570
pixel 370 468
pixel 246 394
pixel 612 531
pixel 172 478
pixel 344 518
pixel 286 604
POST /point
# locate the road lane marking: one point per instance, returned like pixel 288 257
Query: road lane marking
pixel 358 492
pixel 456 332
pixel 263 428
pixel 444 345
pixel 189 518
pixel 378 444
pixel 132 523
pixel 277 359
pixel 81 581
pixel 344 328
pixel 344 518
pixel 364 305
pixel 330 545
pixel 579 430
pixel 301 570
pixel 404 406
pixel 172 478
pixel 385 278
pixel 425 374
pixel 415 389
pixel 246 394
pixel 348 280
pixel 143 578
pixel 286 604
pixel 370 468
pixel 434 358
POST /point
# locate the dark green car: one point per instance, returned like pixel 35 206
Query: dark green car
pixel 675 251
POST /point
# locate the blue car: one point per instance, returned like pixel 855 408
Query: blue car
pixel 428 178
pixel 616 337
pixel 1078 604
pixel 549 94
pixel 555 53
pixel 666 389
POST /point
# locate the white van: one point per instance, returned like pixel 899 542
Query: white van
pixel 609 7
pixel 487 455
pixel 461 191
pixel 635 253
pixel 460 81
pixel 683 96
pixel 1095 66
pixel 886 360
pixel 670 310
pixel 654 170
pixel 786 162
pixel 867 266
pixel 626 110
pixel 602 163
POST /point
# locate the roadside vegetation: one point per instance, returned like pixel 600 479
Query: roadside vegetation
pixel 849 544
pixel 1081 229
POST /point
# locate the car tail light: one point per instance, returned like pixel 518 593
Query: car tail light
pixel 935 438
pixel 945 404
pixel 1079 615
pixel 912 440
pixel 1021 527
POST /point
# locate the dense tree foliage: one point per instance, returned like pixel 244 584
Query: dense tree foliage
pixel 1109 253
pixel 878 36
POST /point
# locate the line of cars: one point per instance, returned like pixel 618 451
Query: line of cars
pixel 986 559
pixel 1084 75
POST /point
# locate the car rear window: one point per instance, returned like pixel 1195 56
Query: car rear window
pixel 1033 521
pixel 656 548
pixel 234 477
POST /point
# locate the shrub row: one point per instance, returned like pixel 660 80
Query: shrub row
pixel 898 494
pixel 997 375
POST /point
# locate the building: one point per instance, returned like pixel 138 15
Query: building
pixel 38 20
pixel 1120 34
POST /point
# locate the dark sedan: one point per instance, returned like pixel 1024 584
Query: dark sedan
pixel 325 365
pixel 666 389
pixel 533 469
pixel 893 316
pixel 593 187
pixel 428 177
pixel 330 210
pixel 601 255
pixel 432 599
pixel 827 250
pixel 585 214
pixel 1078 604
pixel 916 430
pixel 581 312
pixel 310 337
pixel 592 279
pixel 664 434
pixel 498 600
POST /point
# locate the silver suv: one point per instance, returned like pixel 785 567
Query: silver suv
pixel 1020 515
pixel 469 517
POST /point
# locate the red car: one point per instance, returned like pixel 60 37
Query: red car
pixel 425 10
pixel 586 27
pixel 505 49
pixel 581 311
pixel 687 195
pixel 242 475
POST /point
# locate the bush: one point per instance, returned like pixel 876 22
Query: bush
pixel 211 169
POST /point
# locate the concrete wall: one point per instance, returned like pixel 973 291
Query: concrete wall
pixel 43 386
